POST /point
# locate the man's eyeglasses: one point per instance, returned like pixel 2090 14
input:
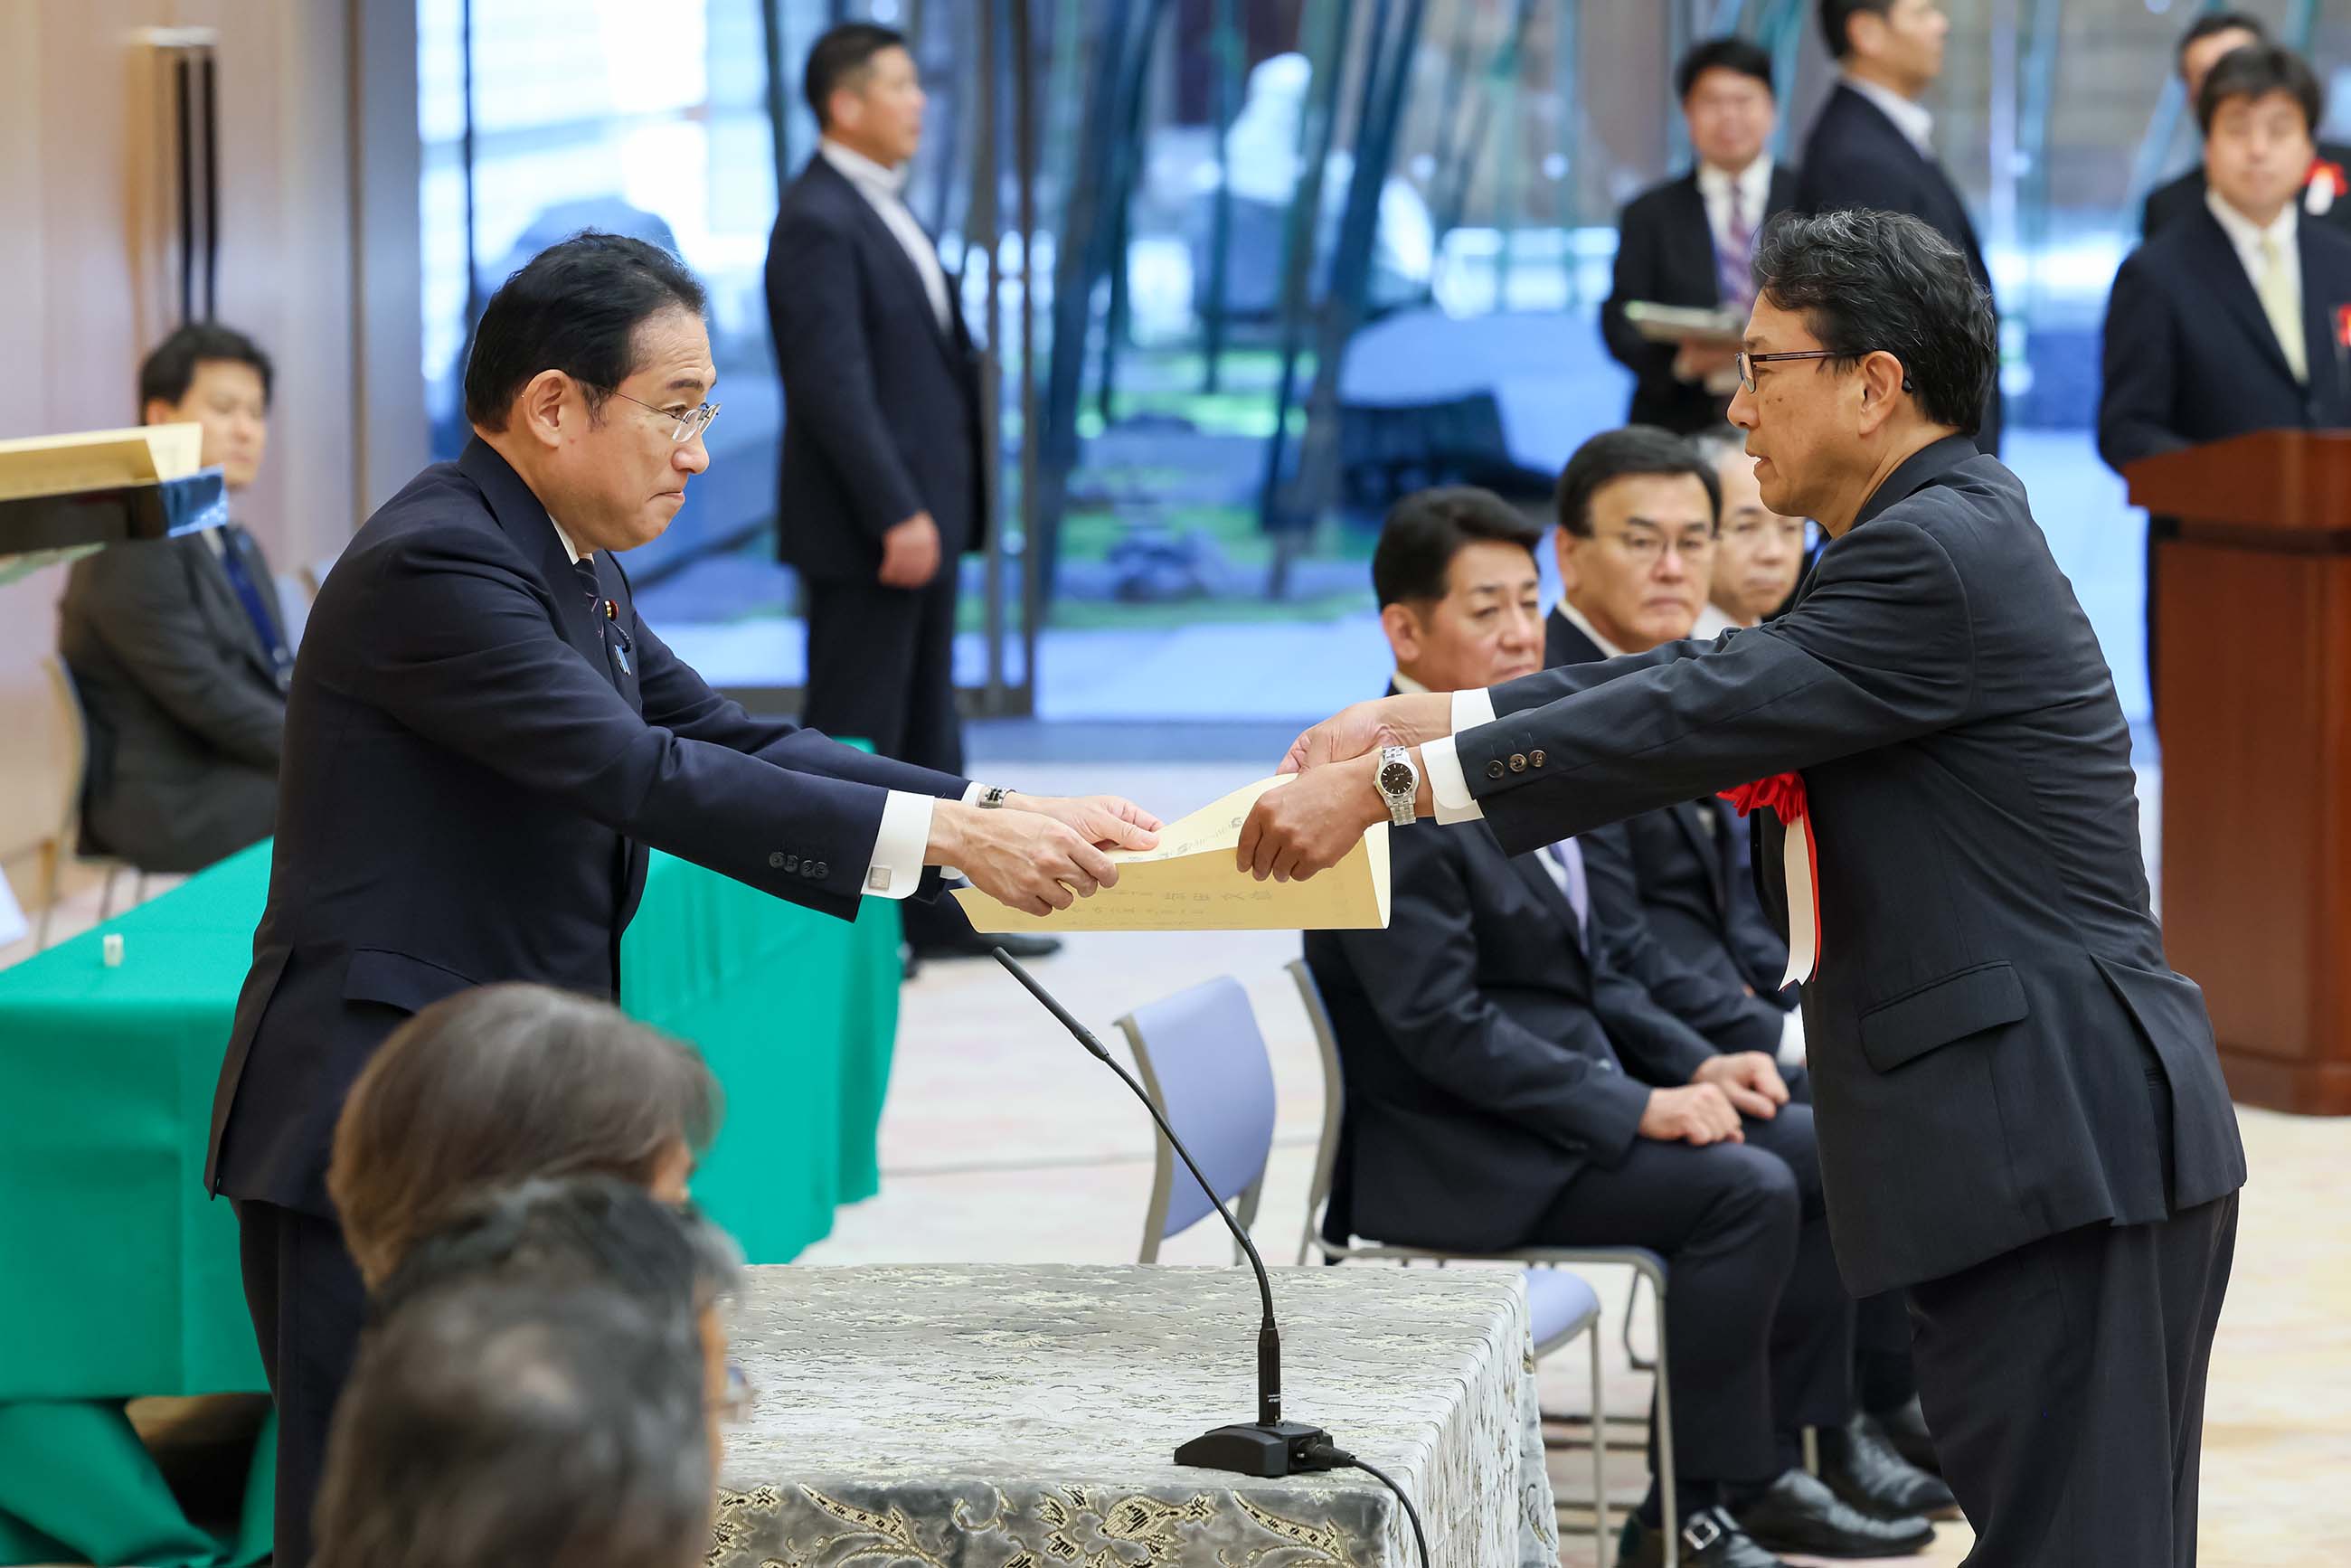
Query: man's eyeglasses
pixel 689 424
pixel 1747 363
pixel 1646 549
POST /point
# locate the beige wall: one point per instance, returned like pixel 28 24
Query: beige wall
pixel 78 310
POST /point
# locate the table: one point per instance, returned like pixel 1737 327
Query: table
pixel 999 1417
pixel 117 1274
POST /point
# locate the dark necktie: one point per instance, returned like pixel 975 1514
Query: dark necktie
pixel 607 629
pixel 257 609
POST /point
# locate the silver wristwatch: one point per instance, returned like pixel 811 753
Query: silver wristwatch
pixel 991 798
pixel 1399 784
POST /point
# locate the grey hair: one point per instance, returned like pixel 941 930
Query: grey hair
pixel 502 1426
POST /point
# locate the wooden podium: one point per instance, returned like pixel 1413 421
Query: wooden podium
pixel 2254 669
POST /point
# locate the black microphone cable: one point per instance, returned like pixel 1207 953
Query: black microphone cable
pixel 1329 1456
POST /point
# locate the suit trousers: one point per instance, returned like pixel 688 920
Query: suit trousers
pixel 881 668
pixel 307 1306
pixel 2064 1385
pixel 1758 1328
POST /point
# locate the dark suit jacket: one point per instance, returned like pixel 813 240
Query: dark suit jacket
pixel 185 711
pixel 1685 889
pixel 881 408
pixel 2190 355
pixel 471 783
pixel 1486 1053
pixel 1665 255
pixel 2183 197
pixel 1992 996
pixel 1856 157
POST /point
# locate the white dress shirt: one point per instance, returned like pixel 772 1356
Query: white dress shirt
pixel 1712 623
pixel 884 191
pixel 1753 185
pixel 896 867
pixel 1916 121
pixel 2251 242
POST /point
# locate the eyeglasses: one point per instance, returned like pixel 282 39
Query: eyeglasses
pixel 1646 549
pixel 1747 363
pixel 689 424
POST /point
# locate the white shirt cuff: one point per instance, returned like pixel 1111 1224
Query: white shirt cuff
pixel 1472 707
pixel 897 866
pixel 971 792
pixel 1447 788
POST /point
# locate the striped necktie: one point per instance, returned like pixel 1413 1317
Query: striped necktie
pixel 1734 252
pixel 584 569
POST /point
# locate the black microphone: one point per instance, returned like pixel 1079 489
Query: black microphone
pixel 1267 1446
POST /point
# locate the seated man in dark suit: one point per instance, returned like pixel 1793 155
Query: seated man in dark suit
pixel 1688 240
pixel 2228 320
pixel 1506 1087
pixel 1758 555
pixel 1872 144
pixel 2207 38
pixel 176 646
pixel 1637 511
pixel 1635 552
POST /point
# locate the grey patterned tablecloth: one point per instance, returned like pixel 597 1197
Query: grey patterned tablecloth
pixel 1027 1416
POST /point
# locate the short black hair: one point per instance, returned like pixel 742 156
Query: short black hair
pixel 492 1425
pixel 2212 22
pixel 1633 449
pixel 576 1230
pixel 1739 55
pixel 1425 531
pixel 575 307
pixel 843 54
pixel 1836 20
pixel 167 373
pixel 2256 71
pixel 1868 280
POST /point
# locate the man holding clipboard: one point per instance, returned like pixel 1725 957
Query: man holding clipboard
pixel 1683 247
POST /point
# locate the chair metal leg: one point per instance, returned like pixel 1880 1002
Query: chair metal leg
pixel 106 894
pixel 1600 1544
pixel 1632 1309
pixel 1664 1431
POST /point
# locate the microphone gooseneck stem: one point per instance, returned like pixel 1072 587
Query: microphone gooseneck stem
pixel 1268 1337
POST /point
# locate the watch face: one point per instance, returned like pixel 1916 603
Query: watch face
pixel 1396 778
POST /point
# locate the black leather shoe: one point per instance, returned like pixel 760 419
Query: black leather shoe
pixel 1905 1427
pixel 978 946
pixel 1861 1467
pixel 1800 1514
pixel 1710 1539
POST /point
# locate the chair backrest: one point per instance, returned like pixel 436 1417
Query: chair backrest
pixel 1334 1104
pixel 1205 1065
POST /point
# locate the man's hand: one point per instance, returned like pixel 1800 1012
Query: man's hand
pixel 1310 823
pixel 1412 718
pixel 1105 822
pixel 1699 1113
pixel 1750 1079
pixel 910 552
pixel 1023 860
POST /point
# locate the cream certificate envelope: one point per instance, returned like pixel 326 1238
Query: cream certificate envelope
pixel 99 459
pixel 1189 883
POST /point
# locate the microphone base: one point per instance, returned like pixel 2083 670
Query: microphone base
pixel 1254 1448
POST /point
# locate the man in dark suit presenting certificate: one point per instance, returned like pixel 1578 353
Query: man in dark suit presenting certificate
pixel 483 740
pixel 2020 1111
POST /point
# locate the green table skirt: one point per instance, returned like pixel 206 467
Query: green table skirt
pixel 117 1273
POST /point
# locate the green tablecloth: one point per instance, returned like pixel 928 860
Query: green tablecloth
pixel 118 1276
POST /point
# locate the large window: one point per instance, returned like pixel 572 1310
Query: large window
pixel 1291 259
